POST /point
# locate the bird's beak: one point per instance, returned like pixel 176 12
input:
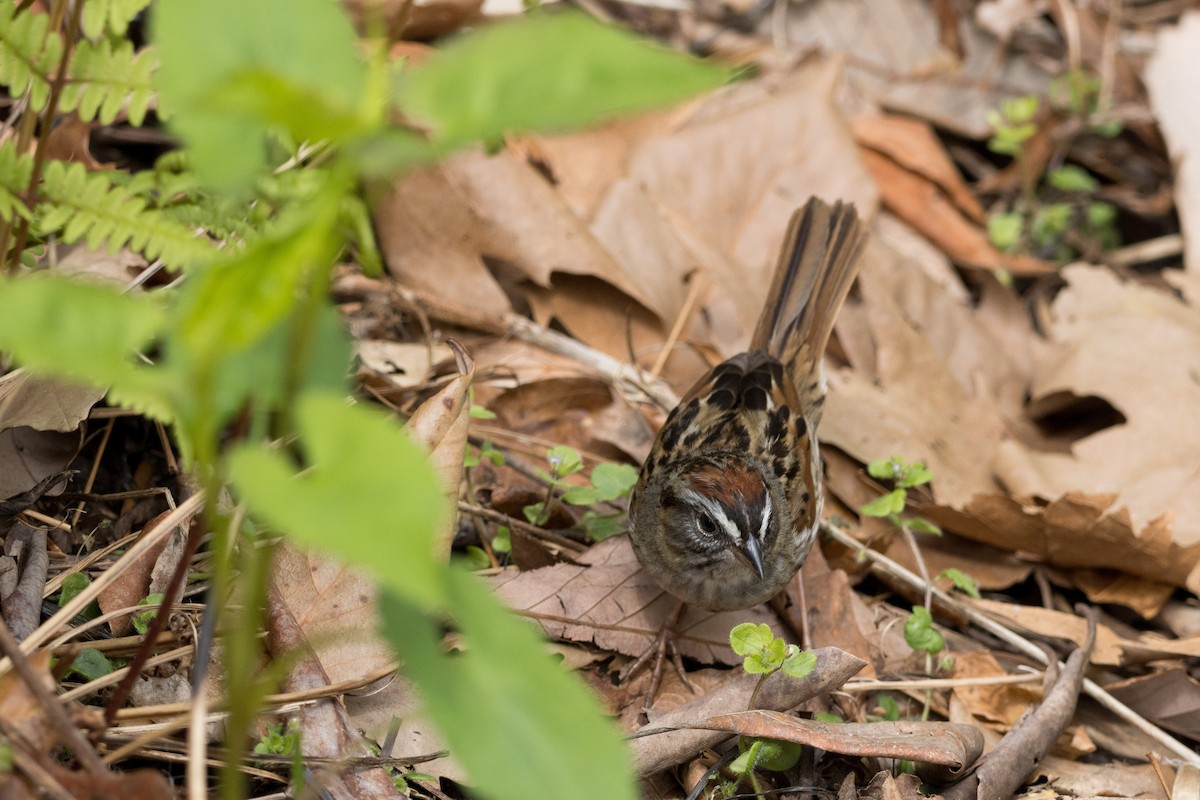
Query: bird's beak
pixel 752 555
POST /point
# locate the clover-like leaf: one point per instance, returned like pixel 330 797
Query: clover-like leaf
pixel 885 505
pixel 799 663
pixel 748 638
pixel 920 633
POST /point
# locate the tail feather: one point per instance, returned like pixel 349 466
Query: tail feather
pixel 816 266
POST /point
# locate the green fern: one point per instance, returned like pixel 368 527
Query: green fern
pixel 15 172
pixel 29 52
pixel 104 77
pixel 110 15
pixel 88 207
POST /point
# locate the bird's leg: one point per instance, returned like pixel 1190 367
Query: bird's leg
pixel 663 643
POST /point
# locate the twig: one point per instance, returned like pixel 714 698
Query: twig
pixel 1018 642
pixel 520 525
pixel 942 683
pixel 685 313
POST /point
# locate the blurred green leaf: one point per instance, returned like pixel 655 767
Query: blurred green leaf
pixel 352 452
pixel 555 742
pixel 545 72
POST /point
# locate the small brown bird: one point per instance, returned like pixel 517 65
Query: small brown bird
pixel 727 505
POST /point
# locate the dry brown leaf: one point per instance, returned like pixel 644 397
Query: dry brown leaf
pixel 895 58
pixel 442 226
pixel 44 404
pixel 1135 347
pixel 440 426
pixel 943 743
pixel 913 145
pixel 334 607
pixel 132 584
pixel 27 456
pixel 925 204
pixel 610 602
pixel 1057 624
pixel 1170 699
pixel 1000 706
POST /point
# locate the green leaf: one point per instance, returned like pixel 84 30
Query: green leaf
pixel 248 49
pixel 776 755
pixel 916 475
pixel 580 495
pixel 601 526
pixel 90 664
pixel 891 709
pixel 545 72
pixel 502 541
pixel 143 619
pixel 613 480
pixel 1004 230
pixel 1070 178
pixel 352 452
pixel 564 460
pixel 748 638
pixel 921 525
pixel 479 412
pixel 72 585
pixel 521 725
pixel 890 503
pixel 886 469
pixel 74 328
pixel 800 663
pixel 533 512
pixel 1050 223
pixel 832 719
pixel 1020 109
pixel 920 633
pixel 962 581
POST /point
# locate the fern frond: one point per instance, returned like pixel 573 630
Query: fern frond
pixel 111 15
pixel 16 169
pixel 103 77
pixel 88 207
pixel 29 54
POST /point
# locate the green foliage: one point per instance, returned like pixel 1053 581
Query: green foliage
pixel 353 451
pixel 88 206
pixel 1013 124
pixel 763 653
pixel 772 755
pixel 142 620
pixel 513 717
pixel 110 15
pixel 90 664
pixel 962 581
pixel 106 78
pixel 1057 216
pixel 607 482
pixel 284 123
pixel 16 169
pixel 29 54
pixel 72 586
pixel 890 505
pixel 461 95
pixel 920 634
pixel 262 70
pixel 280 740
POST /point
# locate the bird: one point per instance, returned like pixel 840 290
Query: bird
pixel 727 504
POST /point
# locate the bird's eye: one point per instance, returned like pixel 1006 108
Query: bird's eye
pixel 707 523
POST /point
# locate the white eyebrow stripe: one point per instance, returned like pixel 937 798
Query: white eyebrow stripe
pixel 766 518
pixel 718 513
